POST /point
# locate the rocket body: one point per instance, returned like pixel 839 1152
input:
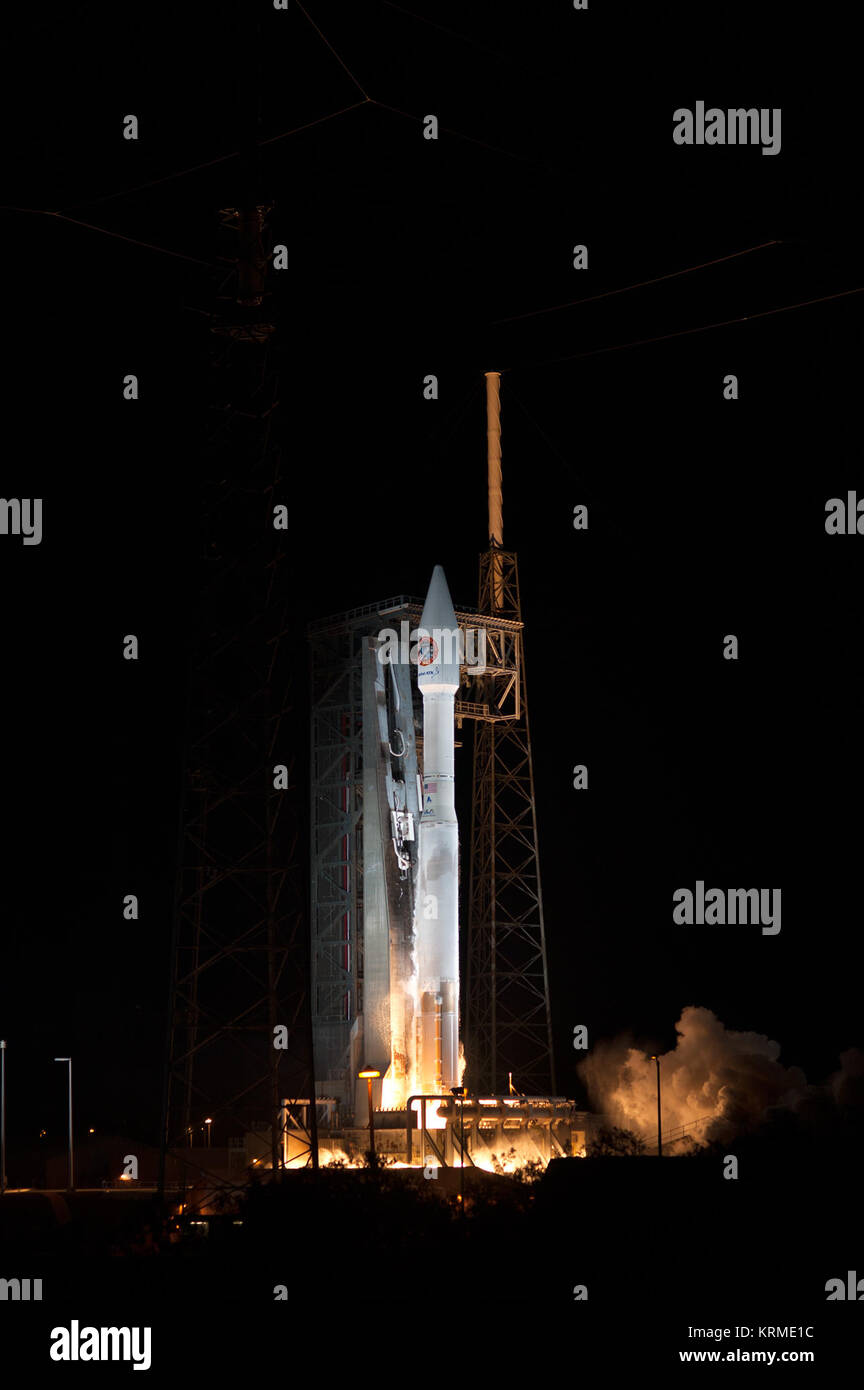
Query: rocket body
pixel 437 922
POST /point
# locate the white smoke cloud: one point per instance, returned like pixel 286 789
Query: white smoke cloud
pixel 723 1079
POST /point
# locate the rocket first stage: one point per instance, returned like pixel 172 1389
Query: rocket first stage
pixel 437 912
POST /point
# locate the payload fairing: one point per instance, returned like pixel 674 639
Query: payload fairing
pixel 437 912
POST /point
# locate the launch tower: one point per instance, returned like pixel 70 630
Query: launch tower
pixel 508 1022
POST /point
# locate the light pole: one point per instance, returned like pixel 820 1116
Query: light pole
pixel 2 1115
pixel 71 1154
pixel 459 1091
pixel 369 1076
pixel 655 1058
pixel 208 1123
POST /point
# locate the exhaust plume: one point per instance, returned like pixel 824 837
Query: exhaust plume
pixel 714 1084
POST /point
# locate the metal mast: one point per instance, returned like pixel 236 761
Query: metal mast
pixel 508 1021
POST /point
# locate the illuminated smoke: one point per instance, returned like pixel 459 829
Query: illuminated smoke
pixel 847 1084
pixel 716 1082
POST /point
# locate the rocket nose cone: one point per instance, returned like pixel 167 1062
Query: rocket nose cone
pixel 438 609
pixel 439 646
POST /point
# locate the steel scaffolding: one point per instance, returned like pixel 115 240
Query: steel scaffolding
pixel 508 1026
pixel 240 945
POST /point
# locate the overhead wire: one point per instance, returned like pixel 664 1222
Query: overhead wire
pixel 686 332
pixel 460 135
pixel 235 154
pixel 105 231
pixel 441 432
pixel 454 33
pixel 448 130
pixel 208 163
pixel 640 284
pixel 62 214
pixel 340 60
pixel 295 130
pixel 566 465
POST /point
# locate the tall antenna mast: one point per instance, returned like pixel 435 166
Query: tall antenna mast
pixel 508 1026
pixel 496 501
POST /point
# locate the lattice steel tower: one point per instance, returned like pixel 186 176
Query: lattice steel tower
pixel 240 949
pixel 508 1025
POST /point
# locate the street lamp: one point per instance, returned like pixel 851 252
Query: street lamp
pixel 459 1092
pixel 655 1058
pixel 368 1076
pixel 71 1155
pixel 2 1115
pixel 208 1123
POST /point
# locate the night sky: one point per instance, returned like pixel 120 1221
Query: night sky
pixel 706 517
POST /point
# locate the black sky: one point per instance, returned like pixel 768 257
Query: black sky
pixel 706 517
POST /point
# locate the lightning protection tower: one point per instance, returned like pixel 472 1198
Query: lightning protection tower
pixel 508 1024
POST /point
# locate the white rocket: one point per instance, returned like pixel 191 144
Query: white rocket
pixel 437 917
